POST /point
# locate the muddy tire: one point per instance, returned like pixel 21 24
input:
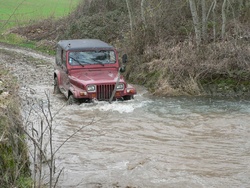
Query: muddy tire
pixel 72 100
pixel 56 86
pixel 128 97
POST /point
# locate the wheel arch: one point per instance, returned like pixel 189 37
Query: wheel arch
pixel 69 93
pixel 58 76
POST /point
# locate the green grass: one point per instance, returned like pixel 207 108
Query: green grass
pixel 19 12
pixel 15 13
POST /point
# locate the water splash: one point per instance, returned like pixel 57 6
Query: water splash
pixel 116 106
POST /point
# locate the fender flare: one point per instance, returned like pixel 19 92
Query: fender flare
pixel 71 91
pixel 58 75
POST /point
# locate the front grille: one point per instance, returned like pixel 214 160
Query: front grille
pixel 104 92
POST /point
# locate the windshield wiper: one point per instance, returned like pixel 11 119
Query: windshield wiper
pixel 99 62
pixel 77 61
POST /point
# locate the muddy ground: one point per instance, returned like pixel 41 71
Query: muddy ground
pixel 28 66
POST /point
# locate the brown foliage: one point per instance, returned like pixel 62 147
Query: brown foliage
pixel 14 162
pixel 164 35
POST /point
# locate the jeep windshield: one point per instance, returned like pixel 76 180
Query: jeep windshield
pixel 92 57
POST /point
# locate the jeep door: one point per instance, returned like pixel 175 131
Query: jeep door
pixel 65 78
pixel 62 68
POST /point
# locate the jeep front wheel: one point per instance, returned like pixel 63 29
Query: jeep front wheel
pixel 56 86
pixel 72 100
pixel 127 97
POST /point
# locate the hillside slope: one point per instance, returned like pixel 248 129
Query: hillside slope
pixel 161 41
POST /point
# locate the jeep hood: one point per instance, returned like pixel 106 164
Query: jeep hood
pixel 97 76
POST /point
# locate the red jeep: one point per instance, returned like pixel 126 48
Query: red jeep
pixel 87 69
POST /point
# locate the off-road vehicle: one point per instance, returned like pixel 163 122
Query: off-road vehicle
pixel 87 69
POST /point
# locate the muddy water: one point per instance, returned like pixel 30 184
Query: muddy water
pixel 159 143
pixel 147 142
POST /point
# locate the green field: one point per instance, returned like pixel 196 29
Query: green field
pixel 19 12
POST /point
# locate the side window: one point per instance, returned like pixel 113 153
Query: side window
pixel 112 56
pixel 58 56
pixel 64 57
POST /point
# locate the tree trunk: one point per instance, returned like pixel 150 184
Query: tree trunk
pixel 143 13
pixel 130 18
pixel 204 19
pixel 195 21
pixel 214 19
pixel 223 14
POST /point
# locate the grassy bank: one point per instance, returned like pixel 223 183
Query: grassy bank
pixel 18 13
pixel 14 162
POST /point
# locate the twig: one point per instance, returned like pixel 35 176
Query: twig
pixel 12 14
pixel 57 178
pixel 73 135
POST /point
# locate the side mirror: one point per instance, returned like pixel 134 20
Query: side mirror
pixel 122 69
pixel 124 58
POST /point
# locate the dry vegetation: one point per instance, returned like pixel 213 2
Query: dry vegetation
pixel 159 38
pixel 14 162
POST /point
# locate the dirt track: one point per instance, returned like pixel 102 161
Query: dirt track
pixel 28 66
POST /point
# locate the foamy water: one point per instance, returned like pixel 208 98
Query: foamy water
pixel 115 106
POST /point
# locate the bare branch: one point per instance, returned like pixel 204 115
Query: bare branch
pixel 73 135
pixel 12 14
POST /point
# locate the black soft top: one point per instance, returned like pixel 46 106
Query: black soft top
pixel 83 44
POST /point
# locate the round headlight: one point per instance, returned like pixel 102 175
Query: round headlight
pixel 120 86
pixel 91 88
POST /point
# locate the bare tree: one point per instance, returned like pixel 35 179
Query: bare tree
pixel 195 21
pixel 214 18
pixel 130 18
pixel 204 19
pixel 46 126
pixel 143 13
pixel 223 14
